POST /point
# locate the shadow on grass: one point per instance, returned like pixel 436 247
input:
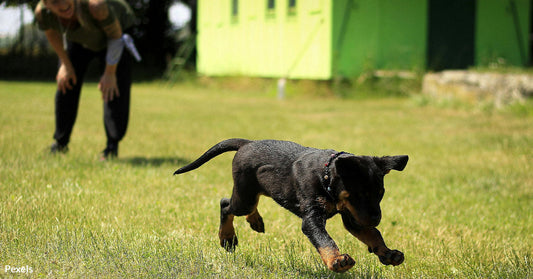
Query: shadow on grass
pixel 155 161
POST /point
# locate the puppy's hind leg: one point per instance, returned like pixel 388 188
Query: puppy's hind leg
pixel 226 232
pixel 243 202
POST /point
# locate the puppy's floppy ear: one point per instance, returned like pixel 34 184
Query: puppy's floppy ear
pixel 393 163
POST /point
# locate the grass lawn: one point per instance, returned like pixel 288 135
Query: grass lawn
pixel 462 208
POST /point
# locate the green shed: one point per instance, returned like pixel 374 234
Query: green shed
pixel 322 39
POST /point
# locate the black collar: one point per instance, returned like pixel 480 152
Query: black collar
pixel 326 183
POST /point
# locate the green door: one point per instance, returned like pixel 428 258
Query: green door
pixel 451 34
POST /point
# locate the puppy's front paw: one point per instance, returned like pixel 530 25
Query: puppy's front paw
pixel 341 263
pixel 229 243
pixel 392 257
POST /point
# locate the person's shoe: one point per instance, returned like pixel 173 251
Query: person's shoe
pixel 110 152
pixel 57 148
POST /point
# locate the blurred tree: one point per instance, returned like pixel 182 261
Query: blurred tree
pixel 151 31
pixel 32 3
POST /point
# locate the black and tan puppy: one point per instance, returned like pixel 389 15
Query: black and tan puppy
pixel 311 183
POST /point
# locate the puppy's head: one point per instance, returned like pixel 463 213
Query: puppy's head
pixel 362 185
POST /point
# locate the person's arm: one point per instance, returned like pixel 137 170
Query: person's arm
pixel 66 76
pixel 111 26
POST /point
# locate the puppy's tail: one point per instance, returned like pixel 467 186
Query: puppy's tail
pixel 219 148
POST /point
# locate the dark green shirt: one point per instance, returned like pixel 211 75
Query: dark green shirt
pixel 88 32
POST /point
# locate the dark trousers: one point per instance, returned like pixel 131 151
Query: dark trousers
pixel 116 112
